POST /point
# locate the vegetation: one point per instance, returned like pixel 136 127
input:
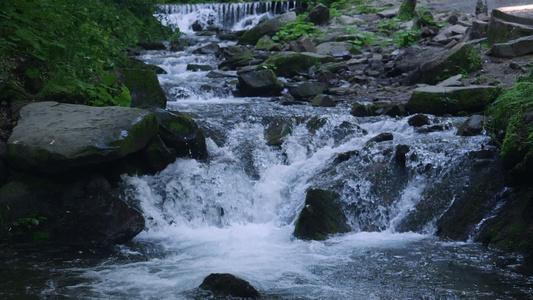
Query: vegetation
pixel 294 30
pixel 49 47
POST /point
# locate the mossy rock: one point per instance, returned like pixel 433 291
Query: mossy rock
pixel 517 148
pixel 276 129
pixel 512 227
pixel 501 31
pixel 287 63
pixel 451 100
pixel 266 44
pixel 143 84
pixel 12 92
pixel 181 134
pixel 72 209
pixel 52 137
pixel 462 58
pixel 321 216
pixel 407 10
pixel 268 28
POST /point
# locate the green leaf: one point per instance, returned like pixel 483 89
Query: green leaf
pixel 32 73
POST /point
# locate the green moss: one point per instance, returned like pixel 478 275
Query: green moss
pixel 138 136
pixel 182 125
pixel 407 10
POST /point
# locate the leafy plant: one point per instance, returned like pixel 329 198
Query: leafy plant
pixel 294 30
pixel 29 222
pixel 405 38
pixel 389 27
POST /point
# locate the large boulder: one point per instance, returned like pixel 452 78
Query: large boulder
pixel 505 26
pixel 52 137
pixel 319 15
pixel 181 134
pixel 287 64
pixel 268 28
pixel 307 90
pixel 472 126
pixel 74 210
pixel 461 58
pixel 259 83
pixel 303 44
pixel 239 59
pixel 451 100
pixel 228 285
pixel 143 84
pixel 322 215
pixel 514 48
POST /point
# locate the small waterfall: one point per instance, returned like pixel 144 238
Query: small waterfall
pixel 226 16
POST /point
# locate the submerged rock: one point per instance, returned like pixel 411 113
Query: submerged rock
pixel 321 216
pixel 229 285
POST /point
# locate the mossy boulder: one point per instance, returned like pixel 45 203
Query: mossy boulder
pixel 181 134
pixel 141 80
pixel 262 83
pixel 73 209
pixel 239 59
pixel 288 63
pixel 321 216
pixel 266 43
pixel 504 27
pixel 268 28
pixel 517 148
pixel 451 100
pixel 511 229
pixel 462 58
pixel 407 10
pixel 52 137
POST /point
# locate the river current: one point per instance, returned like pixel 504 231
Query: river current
pixel 235 212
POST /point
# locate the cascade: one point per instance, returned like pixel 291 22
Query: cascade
pixel 226 16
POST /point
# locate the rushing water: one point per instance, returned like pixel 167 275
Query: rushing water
pixel 235 212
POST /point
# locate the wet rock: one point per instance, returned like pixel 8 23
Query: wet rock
pixel 432 128
pixel 181 134
pixel 362 110
pixel 418 120
pixel 342 157
pixel 382 137
pixel 276 130
pixel 196 26
pixel 286 64
pixel 269 28
pixel 229 285
pixel 196 67
pixel 472 126
pixel 208 49
pixel 152 45
pixel 519 47
pixel 74 210
pixel 319 15
pixel 401 154
pixel 323 100
pixel 239 59
pixel 451 100
pixel 303 44
pixel 259 83
pixel 51 137
pixel 321 216
pixel 307 90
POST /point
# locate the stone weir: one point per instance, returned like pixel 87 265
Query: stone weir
pixel 221 15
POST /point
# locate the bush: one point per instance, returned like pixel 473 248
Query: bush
pixel 294 30
pixel 79 40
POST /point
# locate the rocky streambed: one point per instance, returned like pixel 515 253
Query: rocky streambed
pixel 360 148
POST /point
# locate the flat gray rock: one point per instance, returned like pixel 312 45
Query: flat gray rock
pixel 55 137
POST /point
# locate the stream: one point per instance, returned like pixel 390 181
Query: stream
pixel 235 212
